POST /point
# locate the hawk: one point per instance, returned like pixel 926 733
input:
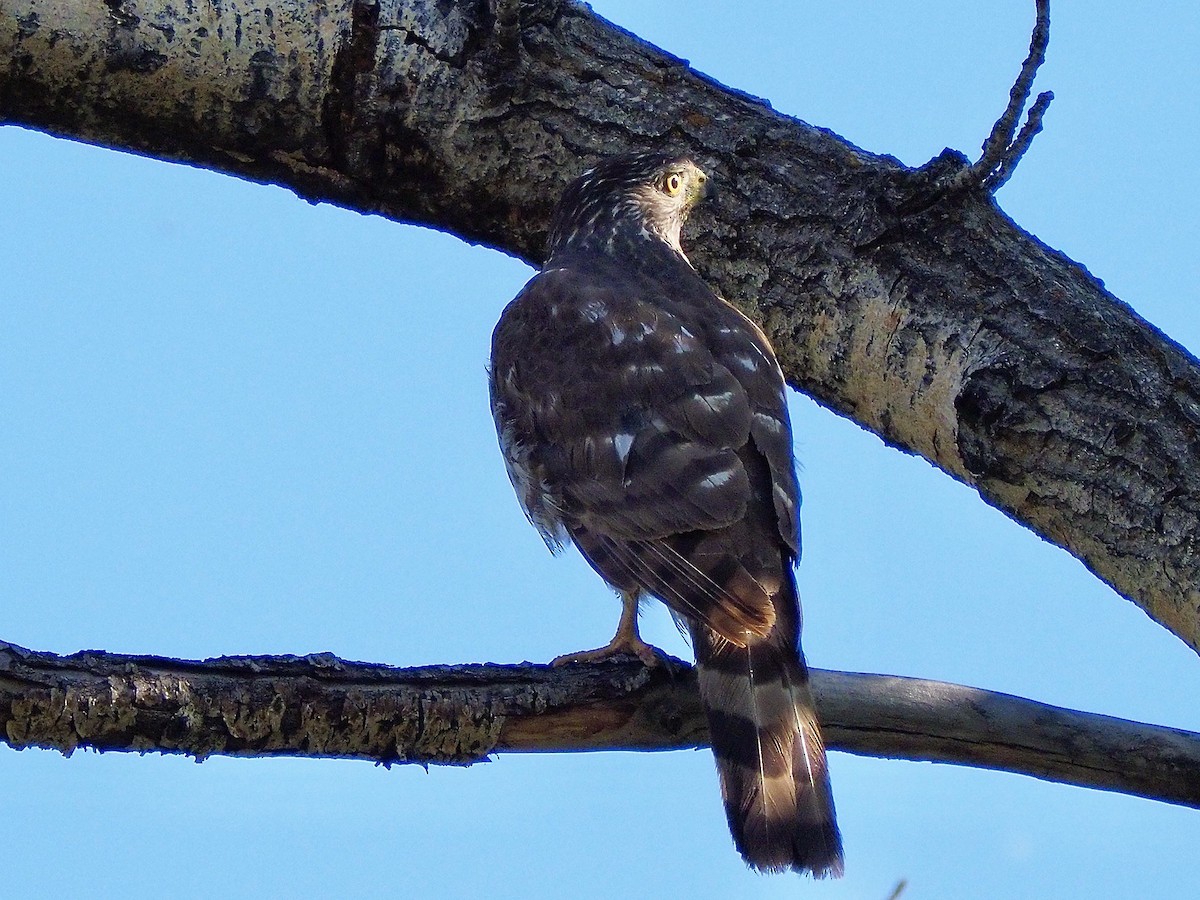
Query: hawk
pixel 643 418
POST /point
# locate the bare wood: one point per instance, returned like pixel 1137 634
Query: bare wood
pixel 949 332
pixel 322 706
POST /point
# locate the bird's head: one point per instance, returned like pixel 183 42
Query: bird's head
pixel 636 196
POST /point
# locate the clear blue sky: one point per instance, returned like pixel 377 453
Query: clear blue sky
pixel 233 422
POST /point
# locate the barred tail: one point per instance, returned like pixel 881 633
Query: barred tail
pixel 769 753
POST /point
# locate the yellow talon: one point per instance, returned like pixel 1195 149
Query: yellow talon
pixel 626 642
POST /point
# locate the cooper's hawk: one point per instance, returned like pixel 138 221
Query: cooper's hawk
pixel 644 418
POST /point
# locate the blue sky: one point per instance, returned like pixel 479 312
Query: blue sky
pixel 234 422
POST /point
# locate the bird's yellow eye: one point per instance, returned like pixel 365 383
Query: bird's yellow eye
pixel 673 184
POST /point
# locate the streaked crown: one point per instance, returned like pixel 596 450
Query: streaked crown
pixel 633 197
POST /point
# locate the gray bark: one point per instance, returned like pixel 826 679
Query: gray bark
pixel 941 326
pixel 324 706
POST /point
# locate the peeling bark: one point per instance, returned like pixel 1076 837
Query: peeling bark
pixel 324 706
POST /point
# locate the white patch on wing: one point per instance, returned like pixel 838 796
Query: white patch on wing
pixel 717 479
pixel 623 442
pixel 683 343
pixel 594 310
pixel 747 362
pixel 618 334
pixel 718 403
pixel 638 369
pixel 768 422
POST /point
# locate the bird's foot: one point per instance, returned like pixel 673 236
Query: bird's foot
pixel 621 645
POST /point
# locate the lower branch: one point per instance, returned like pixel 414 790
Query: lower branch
pixel 322 706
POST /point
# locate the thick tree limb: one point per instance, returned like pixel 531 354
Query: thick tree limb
pixel 323 706
pixel 951 333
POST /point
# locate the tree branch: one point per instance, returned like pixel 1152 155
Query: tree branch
pixel 950 333
pixel 322 706
pixel 1002 151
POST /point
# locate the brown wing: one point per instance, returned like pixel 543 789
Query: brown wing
pixel 635 422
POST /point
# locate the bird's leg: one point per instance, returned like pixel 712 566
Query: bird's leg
pixel 626 641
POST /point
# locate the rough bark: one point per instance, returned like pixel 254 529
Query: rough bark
pixel 324 706
pixel 941 326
